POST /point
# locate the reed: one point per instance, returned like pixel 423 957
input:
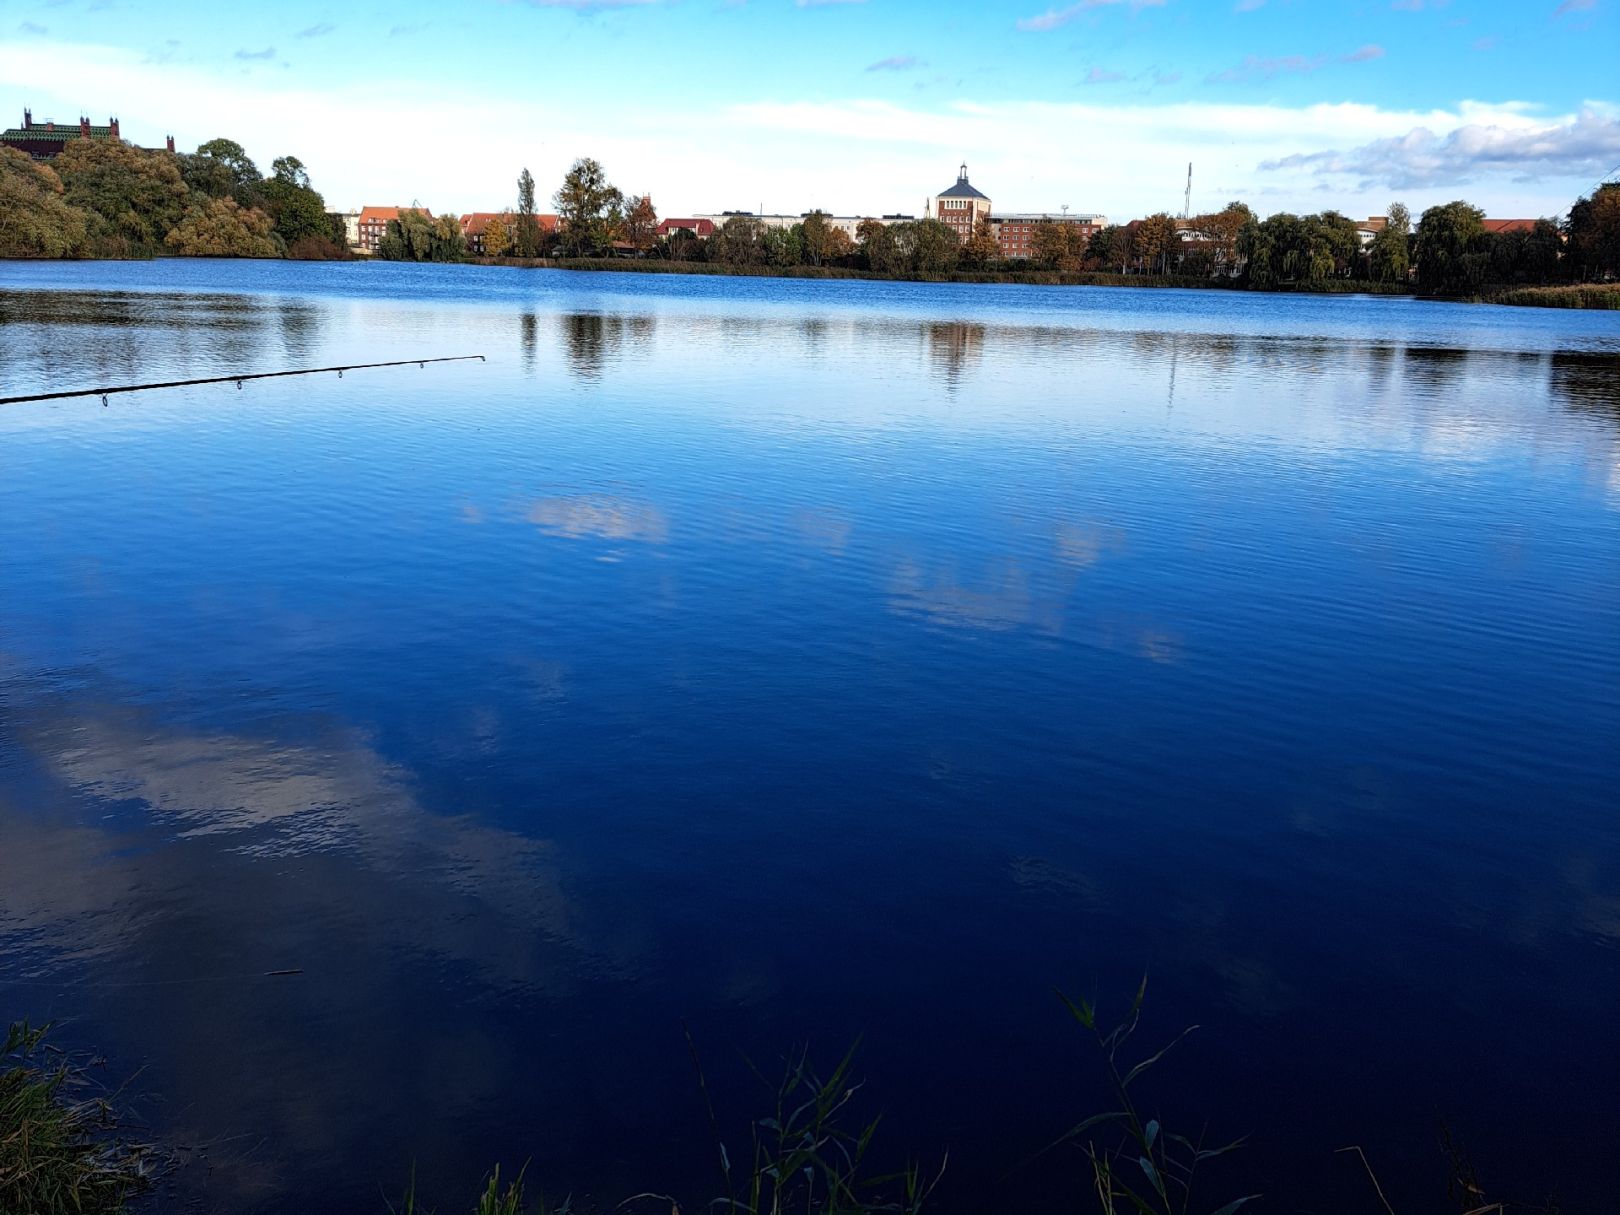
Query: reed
pixel 1575 295
pixel 1136 1164
pixel 60 1148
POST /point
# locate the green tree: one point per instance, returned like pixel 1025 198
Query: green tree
pixel 298 211
pixel 233 158
pixel 526 230
pixel 206 176
pixel 878 246
pixel 1389 257
pixel 784 246
pixel 738 242
pixel 1257 251
pixel 219 227
pixel 417 236
pixel 132 197
pixel 934 246
pixel 1594 233
pixel 35 220
pixel 1340 240
pixel 589 209
pixel 1452 252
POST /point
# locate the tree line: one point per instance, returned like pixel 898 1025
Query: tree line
pixel 1448 251
pixel 107 198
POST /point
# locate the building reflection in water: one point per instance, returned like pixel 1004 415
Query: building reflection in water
pixel 953 346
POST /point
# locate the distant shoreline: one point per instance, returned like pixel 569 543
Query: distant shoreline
pixel 1028 278
pixel 1589 296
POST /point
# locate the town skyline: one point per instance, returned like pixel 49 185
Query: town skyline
pixel 866 107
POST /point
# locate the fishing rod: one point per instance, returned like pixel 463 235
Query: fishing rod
pixel 238 380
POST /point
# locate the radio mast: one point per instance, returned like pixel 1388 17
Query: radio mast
pixel 1186 199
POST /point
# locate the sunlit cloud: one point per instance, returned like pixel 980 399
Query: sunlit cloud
pixel 1585 144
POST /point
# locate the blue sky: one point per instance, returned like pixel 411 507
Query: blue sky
pixel 863 106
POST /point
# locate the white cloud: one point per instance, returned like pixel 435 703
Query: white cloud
pixel 863 156
pixel 897 63
pixel 1577 146
pixel 1056 18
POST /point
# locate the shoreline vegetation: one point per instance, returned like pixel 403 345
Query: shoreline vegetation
pixel 109 199
pixel 62 1148
pixel 1570 295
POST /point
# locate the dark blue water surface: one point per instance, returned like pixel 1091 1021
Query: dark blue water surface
pixel 805 661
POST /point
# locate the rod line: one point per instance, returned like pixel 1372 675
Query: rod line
pixel 231 379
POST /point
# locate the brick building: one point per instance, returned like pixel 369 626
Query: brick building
pixel 45 140
pixel 1015 233
pixel 474 225
pixel 960 207
pixel 373 224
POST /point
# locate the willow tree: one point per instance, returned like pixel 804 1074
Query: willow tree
pixel 35 220
pixel 220 227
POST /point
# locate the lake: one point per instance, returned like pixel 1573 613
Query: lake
pixel 795 663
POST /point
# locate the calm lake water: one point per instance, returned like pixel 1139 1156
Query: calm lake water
pixel 805 661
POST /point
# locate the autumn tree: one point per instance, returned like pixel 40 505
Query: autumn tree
pixel 640 226
pixel 132 197
pixel 35 220
pixel 840 246
pixel 1219 231
pixel 220 227
pixel 589 209
pixel 813 234
pixel 1060 246
pixel 982 248
pixel 1154 242
pixel 498 236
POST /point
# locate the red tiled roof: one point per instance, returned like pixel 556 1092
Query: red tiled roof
pixel 383 214
pixel 698 227
pixel 477 223
pixel 1510 225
